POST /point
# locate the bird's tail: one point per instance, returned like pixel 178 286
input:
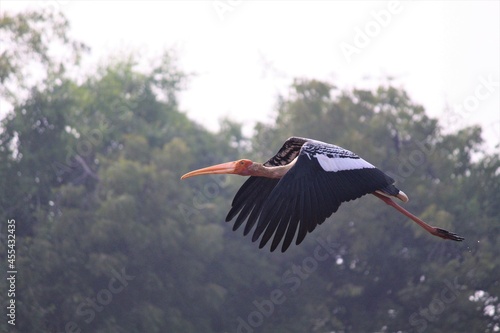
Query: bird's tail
pixel 392 191
pixel 402 196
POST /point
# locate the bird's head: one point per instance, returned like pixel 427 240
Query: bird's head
pixel 239 167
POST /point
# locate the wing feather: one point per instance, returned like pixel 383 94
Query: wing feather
pixel 288 152
pixel 250 198
pixel 249 201
pixel 302 232
pixel 289 208
pixel 311 194
pixel 292 226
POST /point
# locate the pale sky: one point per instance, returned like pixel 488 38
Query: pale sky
pixel 247 52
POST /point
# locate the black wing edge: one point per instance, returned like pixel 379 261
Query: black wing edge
pixel 307 195
pixel 288 152
pixel 253 194
pixel 249 200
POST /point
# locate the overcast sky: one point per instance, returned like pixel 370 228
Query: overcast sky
pixel 247 52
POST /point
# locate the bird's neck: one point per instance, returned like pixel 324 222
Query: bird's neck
pixel 260 170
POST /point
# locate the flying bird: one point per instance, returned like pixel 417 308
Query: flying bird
pixel 301 186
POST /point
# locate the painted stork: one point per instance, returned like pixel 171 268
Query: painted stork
pixel 302 185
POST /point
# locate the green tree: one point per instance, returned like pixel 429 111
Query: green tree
pixel 110 240
pixel 27 41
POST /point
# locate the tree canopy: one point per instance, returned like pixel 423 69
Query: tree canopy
pixel 110 240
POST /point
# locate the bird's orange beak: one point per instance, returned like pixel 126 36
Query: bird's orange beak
pixel 224 168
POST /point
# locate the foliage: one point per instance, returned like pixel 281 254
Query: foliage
pixel 28 43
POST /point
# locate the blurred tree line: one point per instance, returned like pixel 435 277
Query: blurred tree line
pixel 110 240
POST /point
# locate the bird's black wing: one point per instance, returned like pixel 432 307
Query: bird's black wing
pixel 322 178
pixel 252 195
pixel 288 152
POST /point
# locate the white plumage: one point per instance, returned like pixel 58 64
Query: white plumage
pixel 335 164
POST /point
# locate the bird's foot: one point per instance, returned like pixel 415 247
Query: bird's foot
pixel 445 234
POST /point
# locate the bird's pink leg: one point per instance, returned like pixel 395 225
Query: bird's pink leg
pixel 432 230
